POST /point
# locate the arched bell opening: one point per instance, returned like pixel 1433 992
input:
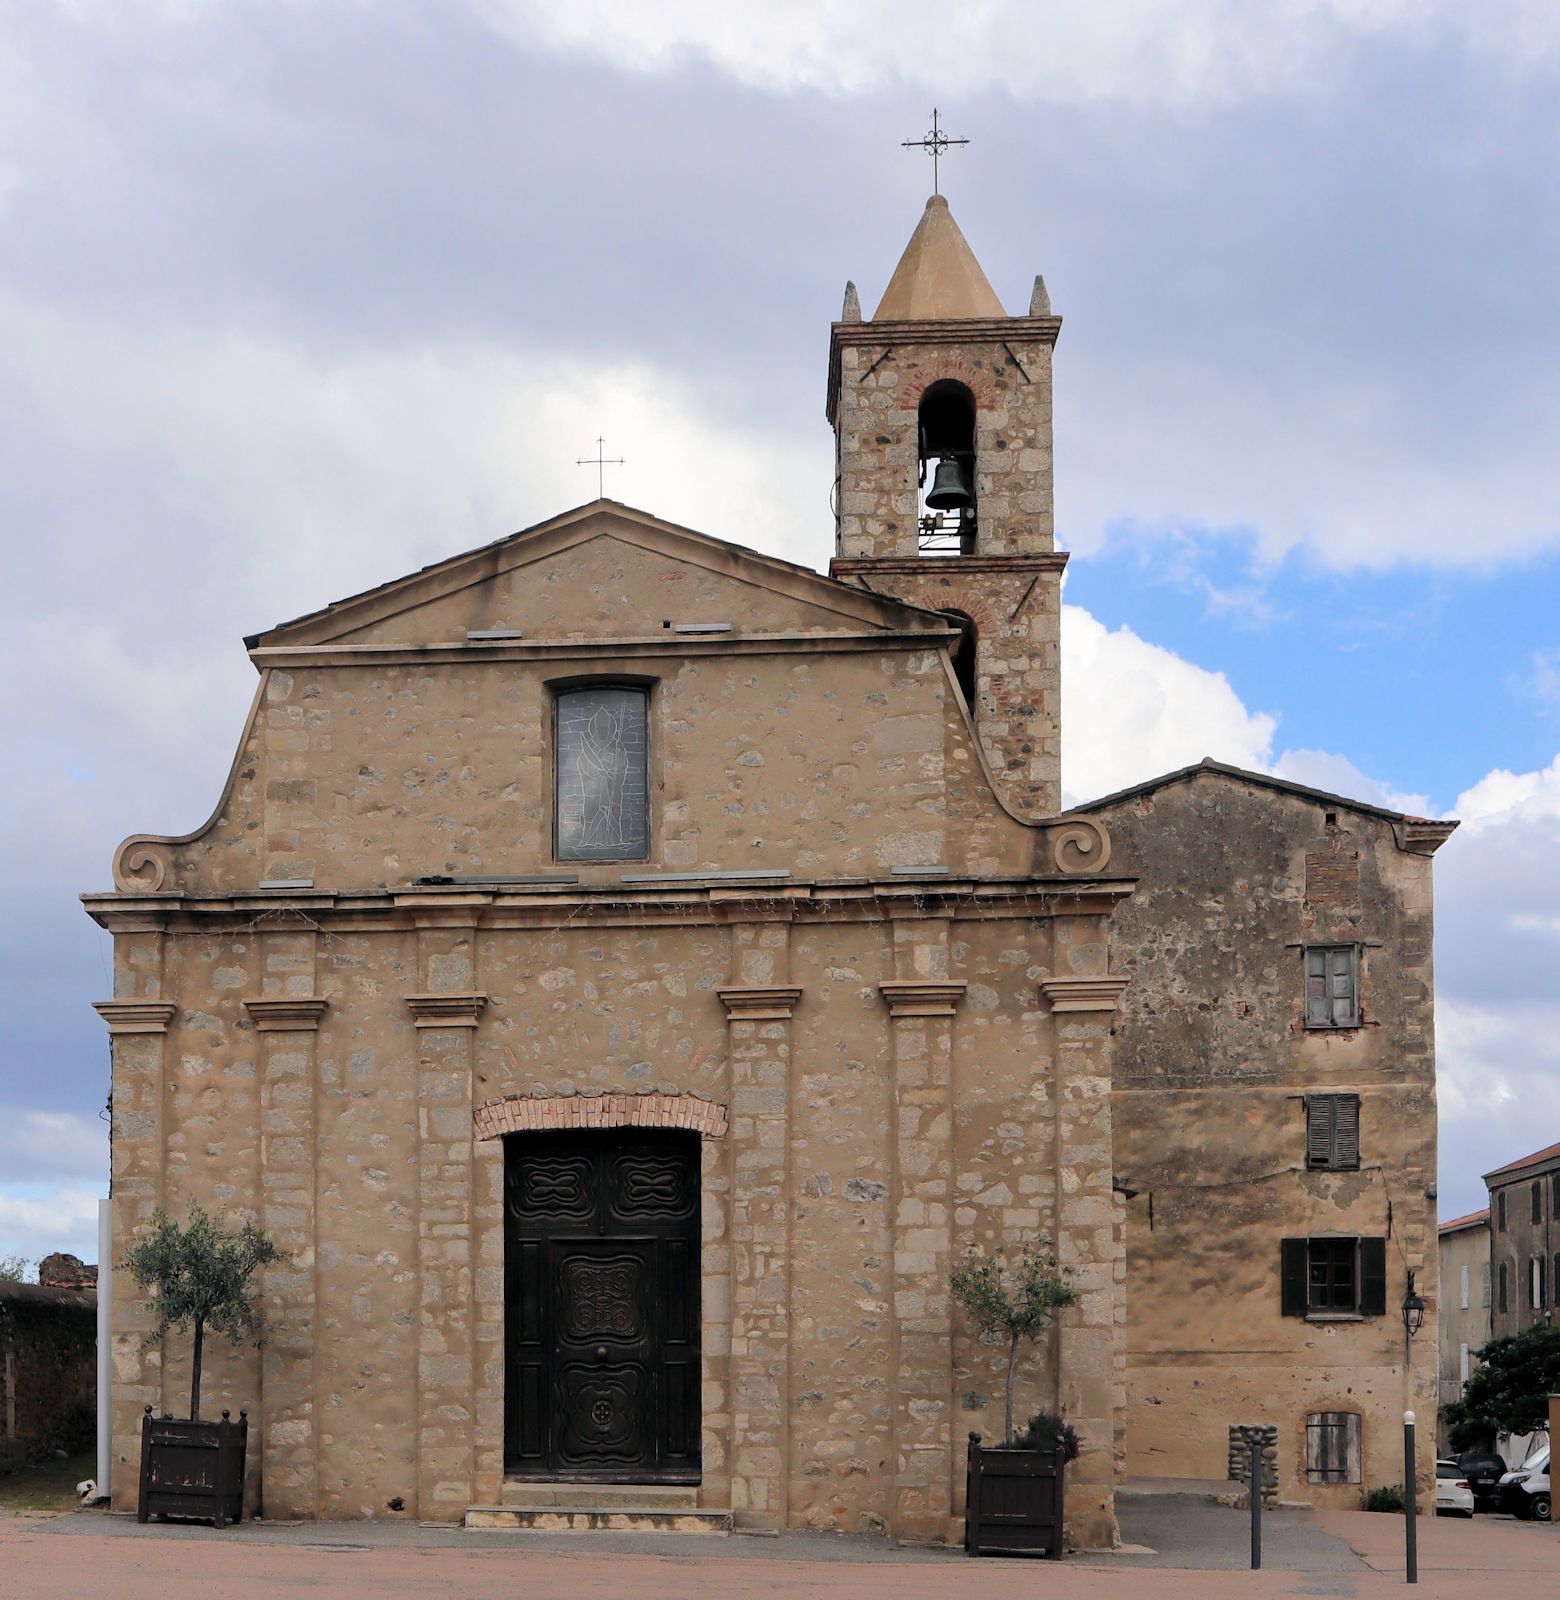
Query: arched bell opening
pixel 945 476
pixel 964 656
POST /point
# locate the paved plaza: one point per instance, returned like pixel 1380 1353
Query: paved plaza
pixel 1178 1546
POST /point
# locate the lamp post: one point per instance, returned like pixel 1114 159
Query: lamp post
pixel 1413 1321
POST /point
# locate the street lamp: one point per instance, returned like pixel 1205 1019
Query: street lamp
pixel 1413 1318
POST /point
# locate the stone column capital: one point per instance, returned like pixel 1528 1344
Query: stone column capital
pixel 136 1016
pixel 922 997
pixel 759 1002
pixel 1083 994
pixel 287 1013
pixel 446 1010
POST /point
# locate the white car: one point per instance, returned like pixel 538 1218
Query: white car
pixel 1453 1495
pixel 1525 1492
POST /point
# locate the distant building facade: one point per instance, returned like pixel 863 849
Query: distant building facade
pixel 1275 1130
pixel 1524 1240
pixel 1465 1302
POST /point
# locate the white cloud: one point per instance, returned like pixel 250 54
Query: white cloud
pixel 1132 709
pixel 56 1146
pixel 63 1219
pixel 1321 769
pixel 1167 52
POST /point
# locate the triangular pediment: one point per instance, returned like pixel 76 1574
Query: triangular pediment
pixel 603 570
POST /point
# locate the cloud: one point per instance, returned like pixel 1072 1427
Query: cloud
pixel 36 1226
pixel 1132 710
pixel 1322 769
pixel 1165 52
pixel 51 1146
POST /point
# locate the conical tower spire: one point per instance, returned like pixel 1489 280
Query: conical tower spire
pixel 938 277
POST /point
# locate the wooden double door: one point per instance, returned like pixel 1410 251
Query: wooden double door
pixel 602 1305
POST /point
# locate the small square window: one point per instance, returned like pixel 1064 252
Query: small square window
pixel 1332 1447
pixel 1332 986
pixel 1333 1275
pixel 1332 1131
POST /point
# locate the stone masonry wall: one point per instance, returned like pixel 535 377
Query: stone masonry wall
pixel 1213 1064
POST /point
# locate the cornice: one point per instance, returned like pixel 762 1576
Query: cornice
pixel 652 647
pixel 1082 994
pixel 759 1002
pixel 946 566
pixel 136 1016
pixel 446 1010
pixel 921 997
pixel 287 1013
pixel 364 910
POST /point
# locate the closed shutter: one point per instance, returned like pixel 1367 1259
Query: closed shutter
pixel 1332 1447
pixel 1373 1277
pixel 1292 1274
pixel 1464 1288
pixel 1346 1139
pixel 1332 1134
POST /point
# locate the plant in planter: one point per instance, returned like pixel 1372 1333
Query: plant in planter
pixel 200 1278
pixel 1013 1495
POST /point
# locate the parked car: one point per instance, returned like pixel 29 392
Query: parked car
pixel 1483 1469
pixel 1453 1495
pixel 1525 1492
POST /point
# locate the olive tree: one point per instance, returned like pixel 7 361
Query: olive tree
pixel 199 1277
pixel 1012 1302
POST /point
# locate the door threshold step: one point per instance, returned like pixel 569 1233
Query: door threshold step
pixel 600 1519
pixel 526 1495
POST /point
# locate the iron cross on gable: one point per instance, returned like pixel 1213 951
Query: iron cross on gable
pixel 600 461
pixel 934 143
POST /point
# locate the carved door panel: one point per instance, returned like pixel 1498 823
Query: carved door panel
pixel 602 1305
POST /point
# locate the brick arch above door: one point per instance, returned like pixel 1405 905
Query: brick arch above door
pixel 555 1113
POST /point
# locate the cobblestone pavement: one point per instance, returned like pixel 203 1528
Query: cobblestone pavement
pixel 85 1554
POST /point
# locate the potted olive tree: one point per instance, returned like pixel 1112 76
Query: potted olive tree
pixel 1013 1491
pixel 200 1278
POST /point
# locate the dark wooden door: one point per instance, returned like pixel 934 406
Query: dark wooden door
pixel 602 1305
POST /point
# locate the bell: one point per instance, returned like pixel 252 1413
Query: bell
pixel 951 488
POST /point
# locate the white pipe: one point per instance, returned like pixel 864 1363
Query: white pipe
pixel 105 1295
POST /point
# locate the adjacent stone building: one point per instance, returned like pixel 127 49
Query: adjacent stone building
pixel 627 971
pixel 1465 1303
pixel 1524 1241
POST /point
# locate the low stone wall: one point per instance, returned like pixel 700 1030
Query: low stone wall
pixel 48 1371
pixel 1240 1456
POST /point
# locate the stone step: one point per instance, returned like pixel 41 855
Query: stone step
pixel 599 1519
pixel 525 1496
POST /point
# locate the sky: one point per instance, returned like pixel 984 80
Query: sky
pixel 297 295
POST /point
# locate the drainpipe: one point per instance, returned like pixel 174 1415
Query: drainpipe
pixel 105 1295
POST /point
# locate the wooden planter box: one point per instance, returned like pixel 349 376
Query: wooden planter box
pixel 193 1469
pixel 1013 1501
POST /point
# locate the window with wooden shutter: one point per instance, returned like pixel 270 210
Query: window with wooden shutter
pixel 1332 998
pixel 1465 1286
pixel 1500 1211
pixel 1484 1285
pixel 1332 1447
pixel 1333 1277
pixel 1538 1202
pixel 1373 1277
pixel 1502 1298
pixel 1332 1131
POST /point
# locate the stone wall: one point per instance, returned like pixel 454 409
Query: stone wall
pixel 1213 1066
pixel 48 1371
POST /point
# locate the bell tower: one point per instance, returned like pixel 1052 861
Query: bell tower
pixel 941 409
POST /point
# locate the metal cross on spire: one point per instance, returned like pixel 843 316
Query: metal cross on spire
pixel 935 142
pixel 600 461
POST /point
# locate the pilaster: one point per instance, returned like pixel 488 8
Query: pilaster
pixel 922 1000
pixel 446 1014
pixel 1088 1235
pixel 138 1019
pixel 759 1004
pixel 286 1016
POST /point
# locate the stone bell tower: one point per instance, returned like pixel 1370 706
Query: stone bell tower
pixel 941 408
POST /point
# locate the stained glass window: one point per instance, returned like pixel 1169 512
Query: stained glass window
pixel 602 779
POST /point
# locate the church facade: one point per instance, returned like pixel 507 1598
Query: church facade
pixel 627 972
